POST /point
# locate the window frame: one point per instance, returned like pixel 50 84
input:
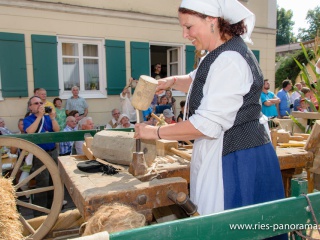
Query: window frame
pixel 101 93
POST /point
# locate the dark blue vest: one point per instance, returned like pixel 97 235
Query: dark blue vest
pixel 246 132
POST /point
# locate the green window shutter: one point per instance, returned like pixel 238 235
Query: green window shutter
pixel 116 66
pixel 45 63
pixel 256 53
pixel 13 71
pixel 140 59
pixel 190 52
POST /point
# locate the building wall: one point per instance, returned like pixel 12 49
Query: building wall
pixel 125 20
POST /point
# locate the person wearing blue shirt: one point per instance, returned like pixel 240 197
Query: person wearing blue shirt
pixel 285 103
pixel 38 122
pixel 269 101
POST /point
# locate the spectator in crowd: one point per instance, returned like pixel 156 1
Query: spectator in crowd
pixel 113 123
pixel 269 101
pixel 163 104
pixel 168 116
pixel 85 123
pixel 113 218
pixel 42 93
pixel 304 106
pixel 171 101
pixel 181 115
pixel 306 95
pixel 126 106
pixel 3 129
pixel 66 147
pixel 75 113
pixel 20 126
pixel 124 122
pixel 38 122
pixel 285 103
pixel 60 113
pixel 75 102
pixel 156 74
pixel 296 93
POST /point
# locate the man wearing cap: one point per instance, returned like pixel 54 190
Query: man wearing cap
pixel 168 116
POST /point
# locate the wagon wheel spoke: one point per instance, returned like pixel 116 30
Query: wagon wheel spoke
pixel 34 191
pixel 57 188
pixel 33 207
pixel 27 179
pixel 18 164
pixel 26 224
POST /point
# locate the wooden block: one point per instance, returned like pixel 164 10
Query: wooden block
pixel 163 146
pixel 87 151
pixel 88 141
pixel 283 137
pixel 304 135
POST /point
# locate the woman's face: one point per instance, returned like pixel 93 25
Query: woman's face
pixel 124 120
pixel 168 94
pixel 58 104
pixel 164 101
pixel 198 31
pixel 77 117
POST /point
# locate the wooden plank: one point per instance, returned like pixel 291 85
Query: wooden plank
pixel 307 115
pixel 265 220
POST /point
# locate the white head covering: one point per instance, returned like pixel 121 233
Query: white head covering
pixel 230 10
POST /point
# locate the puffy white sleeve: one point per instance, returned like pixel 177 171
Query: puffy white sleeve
pixel 228 80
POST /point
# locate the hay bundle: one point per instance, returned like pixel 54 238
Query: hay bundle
pixel 10 226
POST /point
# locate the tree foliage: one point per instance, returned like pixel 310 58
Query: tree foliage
pixel 284 27
pixel 313 18
pixel 289 69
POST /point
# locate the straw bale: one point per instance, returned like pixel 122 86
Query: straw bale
pixel 10 226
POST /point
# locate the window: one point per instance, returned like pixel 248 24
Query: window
pixel 171 59
pixel 81 63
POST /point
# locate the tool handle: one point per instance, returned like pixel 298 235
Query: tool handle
pixel 184 201
pixel 183 154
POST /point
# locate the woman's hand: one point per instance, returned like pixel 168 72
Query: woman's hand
pixel 144 131
pixel 164 84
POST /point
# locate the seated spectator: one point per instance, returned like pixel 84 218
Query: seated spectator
pixel 306 94
pixel 66 147
pixel 168 116
pixel 75 113
pixel 60 113
pixel 126 106
pixel 181 115
pixel 124 122
pixel 85 123
pixel 20 126
pixel 113 123
pixel 171 101
pixel 113 218
pixel 304 106
pixel 3 129
pixel 162 105
pixel 42 94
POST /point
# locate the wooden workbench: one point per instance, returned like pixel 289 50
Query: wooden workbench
pixel 90 190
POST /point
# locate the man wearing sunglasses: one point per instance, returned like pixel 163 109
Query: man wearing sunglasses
pixel 38 122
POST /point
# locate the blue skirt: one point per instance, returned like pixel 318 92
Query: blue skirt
pixel 251 176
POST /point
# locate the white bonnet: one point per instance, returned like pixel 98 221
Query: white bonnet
pixel 230 10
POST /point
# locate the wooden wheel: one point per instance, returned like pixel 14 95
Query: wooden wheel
pixel 58 191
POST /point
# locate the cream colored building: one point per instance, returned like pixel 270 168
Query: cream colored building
pixel 98 45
